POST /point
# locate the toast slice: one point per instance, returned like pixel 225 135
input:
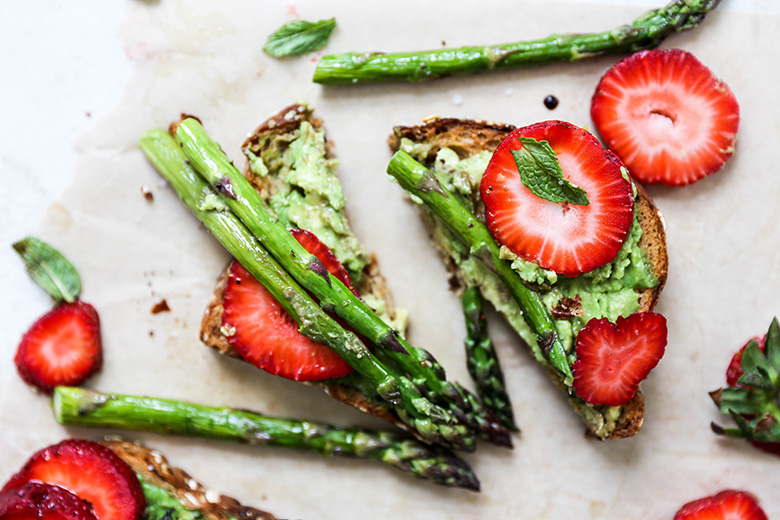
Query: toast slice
pixel 277 150
pixel 153 469
pixel 461 149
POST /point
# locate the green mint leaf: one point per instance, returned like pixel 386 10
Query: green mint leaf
pixel 49 269
pixel 541 173
pixel 299 37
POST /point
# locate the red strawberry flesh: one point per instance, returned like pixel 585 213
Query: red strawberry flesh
pixel 666 116
pixel 62 348
pixel 92 472
pixel 566 238
pixel 39 501
pixel 313 245
pixel 726 505
pixel 613 358
pixel 265 335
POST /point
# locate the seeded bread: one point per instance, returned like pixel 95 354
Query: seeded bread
pixel 154 468
pixel 468 137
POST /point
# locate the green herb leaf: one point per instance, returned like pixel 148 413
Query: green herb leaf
pixel 541 173
pixel 49 269
pixel 299 37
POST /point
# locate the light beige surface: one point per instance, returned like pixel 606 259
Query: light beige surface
pixel 193 57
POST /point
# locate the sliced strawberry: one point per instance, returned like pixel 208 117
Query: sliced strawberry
pixel 314 245
pixel 734 371
pixel 613 358
pixel 268 337
pixel 566 238
pixel 62 348
pixel 665 114
pixel 726 505
pixel 92 472
pixel 38 501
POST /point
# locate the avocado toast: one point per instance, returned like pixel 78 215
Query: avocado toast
pixel 290 167
pixel 458 151
pixel 112 479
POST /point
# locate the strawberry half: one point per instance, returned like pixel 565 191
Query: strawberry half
pixel 567 238
pixel 37 501
pixel 613 358
pixel 726 505
pixel 62 348
pixel 92 472
pixel 666 116
pixel 267 336
pixel 733 373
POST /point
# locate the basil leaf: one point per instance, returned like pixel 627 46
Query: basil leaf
pixel 49 269
pixel 541 173
pixel 299 37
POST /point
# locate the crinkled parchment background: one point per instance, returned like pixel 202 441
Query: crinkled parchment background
pixel 205 58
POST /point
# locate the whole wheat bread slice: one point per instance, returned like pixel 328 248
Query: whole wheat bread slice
pixel 276 130
pixel 154 468
pixel 468 137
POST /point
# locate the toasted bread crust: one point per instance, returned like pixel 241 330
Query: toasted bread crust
pixel 467 137
pixel 154 468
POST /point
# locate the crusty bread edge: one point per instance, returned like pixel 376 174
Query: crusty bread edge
pixel 467 137
pixel 155 469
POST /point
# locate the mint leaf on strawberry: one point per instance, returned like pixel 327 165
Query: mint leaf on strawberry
pixel 49 269
pixel 541 173
pixel 299 37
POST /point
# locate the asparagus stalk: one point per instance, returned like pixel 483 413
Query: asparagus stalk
pixel 432 422
pixel 209 161
pixel 79 407
pixel 645 32
pixel 482 359
pixel 420 182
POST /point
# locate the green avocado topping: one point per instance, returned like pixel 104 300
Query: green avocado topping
pixel 161 505
pixel 608 291
pixel 306 193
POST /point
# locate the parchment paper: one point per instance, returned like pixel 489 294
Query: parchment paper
pixel 205 58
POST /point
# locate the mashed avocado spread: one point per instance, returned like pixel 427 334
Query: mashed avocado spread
pixel 306 193
pixel 608 291
pixel 161 505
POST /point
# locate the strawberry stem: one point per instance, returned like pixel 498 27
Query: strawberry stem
pixel 754 403
pixel 646 32
pixel 418 181
pixel 432 422
pixel 212 164
pixel 79 407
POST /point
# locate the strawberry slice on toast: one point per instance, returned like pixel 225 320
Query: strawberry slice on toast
pixel 567 238
pixel 62 348
pixel 666 116
pixel 613 358
pixel 726 505
pixel 90 471
pixel 265 335
pixel 39 501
